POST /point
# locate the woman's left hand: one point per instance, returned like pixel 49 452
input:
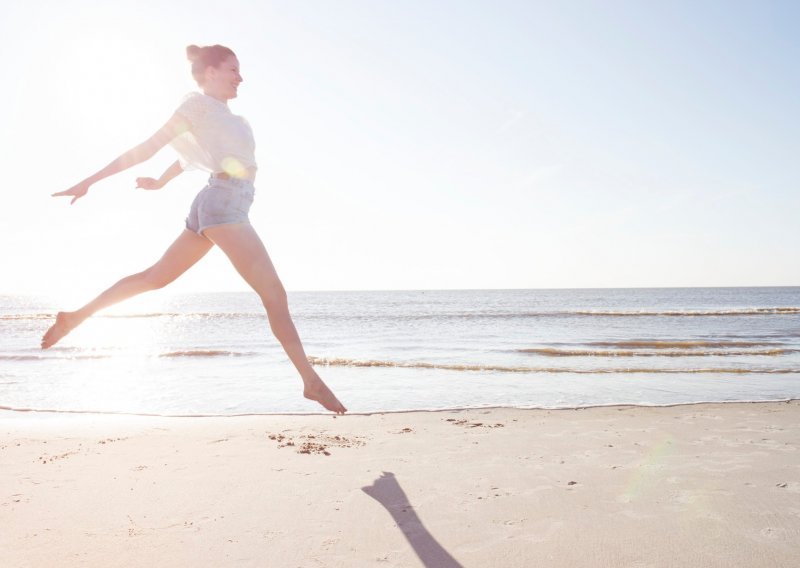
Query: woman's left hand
pixel 148 183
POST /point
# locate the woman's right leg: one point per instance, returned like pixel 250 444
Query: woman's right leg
pixel 244 248
pixel 187 249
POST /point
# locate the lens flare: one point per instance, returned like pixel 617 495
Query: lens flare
pixel 234 168
pixel 646 473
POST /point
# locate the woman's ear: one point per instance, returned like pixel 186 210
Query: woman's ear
pixel 206 76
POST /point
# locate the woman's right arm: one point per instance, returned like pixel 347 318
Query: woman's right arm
pixel 171 172
pixel 175 126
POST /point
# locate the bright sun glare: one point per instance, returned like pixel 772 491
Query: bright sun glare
pixel 106 91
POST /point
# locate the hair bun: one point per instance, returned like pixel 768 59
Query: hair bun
pixel 204 57
pixel 193 52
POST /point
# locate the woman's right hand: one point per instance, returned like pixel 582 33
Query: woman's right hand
pixel 148 183
pixel 76 192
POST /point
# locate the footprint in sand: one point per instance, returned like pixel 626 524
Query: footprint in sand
pixel 49 459
pixel 316 443
pixel 468 424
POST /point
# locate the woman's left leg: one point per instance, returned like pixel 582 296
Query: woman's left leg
pixel 245 250
pixel 187 249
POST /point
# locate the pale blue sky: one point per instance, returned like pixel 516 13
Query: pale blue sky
pixel 419 144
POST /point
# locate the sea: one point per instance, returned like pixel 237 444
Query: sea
pixel 385 351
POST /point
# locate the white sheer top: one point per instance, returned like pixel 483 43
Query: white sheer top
pixel 218 140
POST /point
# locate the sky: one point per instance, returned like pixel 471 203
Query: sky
pixel 417 144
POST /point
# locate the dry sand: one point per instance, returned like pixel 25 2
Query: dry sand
pixel 699 485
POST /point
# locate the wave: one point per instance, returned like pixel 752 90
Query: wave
pixel 764 311
pixel 206 353
pixel 553 352
pixel 689 344
pixel 203 315
pixel 723 312
pixel 200 315
pixel 27 316
pixel 342 362
pixel 50 357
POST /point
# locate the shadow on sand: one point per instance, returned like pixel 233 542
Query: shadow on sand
pixel 386 491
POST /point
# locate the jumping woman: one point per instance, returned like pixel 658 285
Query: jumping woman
pixel 207 136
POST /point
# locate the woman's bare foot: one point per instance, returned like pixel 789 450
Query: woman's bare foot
pixel 65 322
pixel 318 391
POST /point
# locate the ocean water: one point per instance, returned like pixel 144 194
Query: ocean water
pixel 204 354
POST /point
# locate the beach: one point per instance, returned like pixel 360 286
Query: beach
pixel 688 485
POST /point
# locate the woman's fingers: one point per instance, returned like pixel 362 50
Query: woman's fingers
pixel 75 192
pixel 147 183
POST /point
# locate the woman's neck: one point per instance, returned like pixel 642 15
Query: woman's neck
pixel 215 96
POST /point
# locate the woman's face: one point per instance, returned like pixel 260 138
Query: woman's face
pixel 223 81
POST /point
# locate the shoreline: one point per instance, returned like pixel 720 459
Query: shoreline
pixel 8 411
pixel 711 484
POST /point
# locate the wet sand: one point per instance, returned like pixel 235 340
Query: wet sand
pixel 696 485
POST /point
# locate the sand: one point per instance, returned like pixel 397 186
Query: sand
pixel 697 485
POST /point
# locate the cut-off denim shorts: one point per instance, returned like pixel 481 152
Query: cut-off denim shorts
pixel 221 202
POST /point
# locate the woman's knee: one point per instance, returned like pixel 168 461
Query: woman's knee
pixel 273 294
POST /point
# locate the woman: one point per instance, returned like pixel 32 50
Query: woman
pixel 209 137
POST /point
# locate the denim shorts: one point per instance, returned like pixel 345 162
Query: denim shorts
pixel 221 202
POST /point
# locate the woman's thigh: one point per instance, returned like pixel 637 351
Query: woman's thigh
pixel 181 255
pixel 246 251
